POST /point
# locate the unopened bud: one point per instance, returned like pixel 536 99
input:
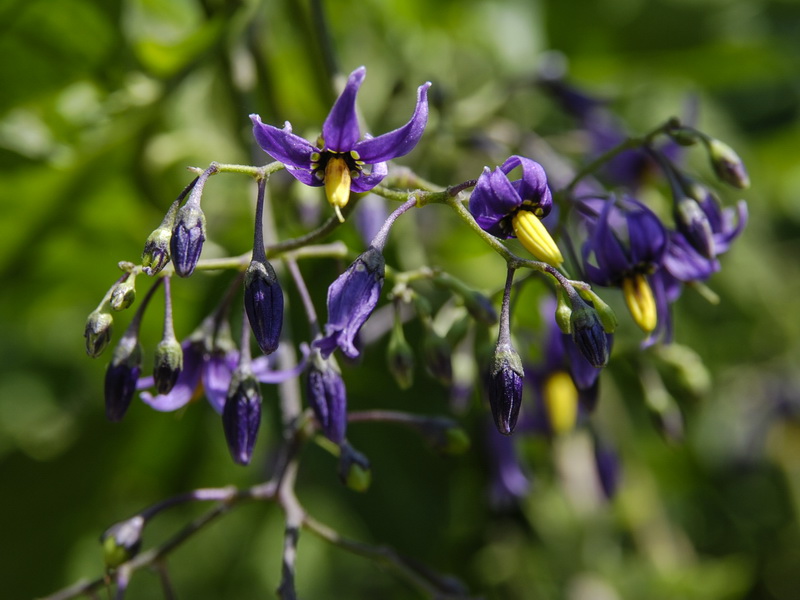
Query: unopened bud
pixel 168 364
pixel 588 334
pixel 121 377
pixel 263 302
pixel 241 416
pixel 327 397
pixel 122 541
pixel 97 332
pixel 354 469
pixel 563 311
pixel 187 239
pixel 693 223
pixel 604 312
pixel 155 255
pixel 400 357
pixel 437 353
pixel 123 294
pixel 727 165
pixel 506 377
pixel 684 136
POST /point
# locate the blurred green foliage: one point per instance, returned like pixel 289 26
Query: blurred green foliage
pixel 104 104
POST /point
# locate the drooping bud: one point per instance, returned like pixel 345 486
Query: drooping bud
pixel 478 305
pixel 727 165
pixel 588 333
pixel 187 239
pixel 168 364
pixel 155 255
pixel 354 468
pixel 400 357
pixel 263 301
pixel 327 397
pixel 506 377
pixel 123 293
pixel 241 416
pixel 122 541
pixel 121 376
pixel 97 332
pixel 563 314
pixel 692 221
pixel 607 316
pixel 684 136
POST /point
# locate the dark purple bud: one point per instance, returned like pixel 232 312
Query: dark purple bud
pixel 187 239
pixel 506 377
pixel 168 365
pixel 693 223
pixel 351 300
pixel 121 377
pixel 122 541
pixel 354 468
pixel 328 397
pixel 588 334
pixel 97 332
pixel 263 301
pixel 241 416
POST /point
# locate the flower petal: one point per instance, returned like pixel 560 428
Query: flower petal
pixel 282 144
pixel 492 200
pixel 366 181
pixel 533 185
pixel 401 141
pixel 340 129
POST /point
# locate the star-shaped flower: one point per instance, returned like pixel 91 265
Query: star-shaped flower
pixel 339 159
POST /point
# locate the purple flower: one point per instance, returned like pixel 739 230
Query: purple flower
pixel 509 482
pixel 328 397
pixel 351 299
pixel 508 208
pixel 210 372
pixel 626 245
pixel 338 160
pixel 241 417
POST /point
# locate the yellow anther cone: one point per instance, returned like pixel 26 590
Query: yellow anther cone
pixel 561 401
pixel 534 236
pixel 337 184
pixel 640 301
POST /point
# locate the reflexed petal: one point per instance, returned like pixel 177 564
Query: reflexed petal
pixel 492 200
pixel 366 181
pixel 340 130
pixel 730 230
pixel 401 141
pixel 217 373
pixel 648 237
pixel 282 144
pixel 304 176
pixel 533 185
pixel 611 260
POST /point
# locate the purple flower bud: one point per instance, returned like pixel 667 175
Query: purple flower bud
pixel 168 365
pixel 241 416
pixel 588 333
pixel 727 165
pixel 693 223
pixel 328 398
pixel 187 239
pixel 505 387
pixel 121 377
pixel 263 301
pixel 97 332
pixel 351 300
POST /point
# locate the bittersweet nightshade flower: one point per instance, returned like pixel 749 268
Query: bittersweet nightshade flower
pixel 327 397
pixel 507 208
pixel 338 160
pixel 241 416
pixel 263 302
pixel 351 299
pixel 627 264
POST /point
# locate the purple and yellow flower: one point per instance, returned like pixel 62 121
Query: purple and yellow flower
pixel 339 158
pixel 516 208
pixel 626 246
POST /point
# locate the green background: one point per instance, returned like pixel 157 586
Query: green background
pixel 104 104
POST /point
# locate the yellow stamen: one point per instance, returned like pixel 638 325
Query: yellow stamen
pixel 561 401
pixel 534 236
pixel 337 184
pixel 640 301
